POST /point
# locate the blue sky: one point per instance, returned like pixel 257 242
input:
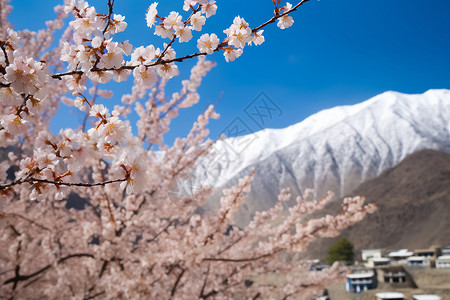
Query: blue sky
pixel 336 53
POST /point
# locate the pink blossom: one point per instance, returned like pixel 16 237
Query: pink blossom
pixel 14 124
pixel 9 97
pixel 135 233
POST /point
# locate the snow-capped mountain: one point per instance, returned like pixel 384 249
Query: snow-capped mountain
pixel 335 149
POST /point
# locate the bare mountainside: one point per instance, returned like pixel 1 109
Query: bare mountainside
pixel 413 202
pixel 336 149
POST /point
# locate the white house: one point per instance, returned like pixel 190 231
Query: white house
pixel 418 261
pixel 359 282
pixel 443 261
pixel 390 296
pixel 369 254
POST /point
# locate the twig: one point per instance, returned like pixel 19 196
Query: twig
pixel 174 288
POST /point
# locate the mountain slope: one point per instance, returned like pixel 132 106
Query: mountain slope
pixel 335 149
pixel 413 201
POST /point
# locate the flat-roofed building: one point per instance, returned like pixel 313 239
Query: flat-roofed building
pixel 443 262
pixel 361 281
pixel 418 261
pixel 379 262
pixel 432 252
pixel 445 250
pixel 368 254
pixel 395 277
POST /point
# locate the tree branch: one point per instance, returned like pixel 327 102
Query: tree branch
pixel 32 180
pixel 18 278
pixel 174 288
pixel 179 59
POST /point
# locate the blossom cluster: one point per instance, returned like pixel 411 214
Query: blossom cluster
pixel 86 212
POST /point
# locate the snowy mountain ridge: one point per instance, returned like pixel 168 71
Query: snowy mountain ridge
pixel 334 149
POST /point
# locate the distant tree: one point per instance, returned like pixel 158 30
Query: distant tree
pixel 342 250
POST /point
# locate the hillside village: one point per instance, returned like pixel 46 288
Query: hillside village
pixel 420 274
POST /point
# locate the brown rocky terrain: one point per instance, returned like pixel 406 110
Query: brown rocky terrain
pixel 413 201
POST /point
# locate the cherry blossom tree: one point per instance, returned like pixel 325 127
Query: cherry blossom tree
pixel 130 239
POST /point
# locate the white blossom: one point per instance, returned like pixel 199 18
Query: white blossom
pixel 144 76
pixel 117 24
pixel 161 31
pixel 197 21
pixel 173 21
pixel 167 71
pixel 151 14
pixel 113 58
pixel 208 43
pixel 231 54
pixel 209 8
pixel 286 21
pixel 184 34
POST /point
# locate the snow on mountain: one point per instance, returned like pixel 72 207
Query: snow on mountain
pixel 335 149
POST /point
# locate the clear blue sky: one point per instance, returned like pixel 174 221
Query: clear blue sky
pixel 337 53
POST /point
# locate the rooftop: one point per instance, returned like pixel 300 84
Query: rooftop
pixel 360 275
pixel 381 259
pixel 444 257
pixel 401 253
pixel 390 295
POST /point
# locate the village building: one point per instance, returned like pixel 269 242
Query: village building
pixel 361 281
pixel 378 262
pixel 390 296
pixel 369 254
pixel 443 262
pixel 445 250
pixel 432 252
pixel 419 261
pixel 400 256
pixel 394 277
